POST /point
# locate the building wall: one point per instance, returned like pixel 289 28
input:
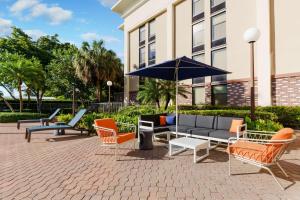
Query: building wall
pixel 275 52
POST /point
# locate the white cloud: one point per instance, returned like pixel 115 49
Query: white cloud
pixel 108 3
pixel 35 33
pixel 35 8
pixel 5 27
pixel 19 6
pixel 89 36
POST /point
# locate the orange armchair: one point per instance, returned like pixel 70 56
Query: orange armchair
pixel 108 132
pixel 261 149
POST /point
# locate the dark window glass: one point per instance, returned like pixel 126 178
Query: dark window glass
pixel 215 3
pixel 218 27
pixel 219 95
pixel 142 34
pixel 152 29
pixel 142 56
pixel 219 60
pixel 198 7
pixel 199 58
pixel 198 34
pixel 152 54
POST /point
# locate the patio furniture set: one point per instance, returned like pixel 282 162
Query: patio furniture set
pixel 261 149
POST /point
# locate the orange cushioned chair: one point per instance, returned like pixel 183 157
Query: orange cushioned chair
pixel 107 130
pixel 261 149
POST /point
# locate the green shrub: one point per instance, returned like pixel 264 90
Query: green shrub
pixel 6 117
pixel 263 125
pixel 289 116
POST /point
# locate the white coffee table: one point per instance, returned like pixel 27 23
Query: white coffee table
pixel 189 143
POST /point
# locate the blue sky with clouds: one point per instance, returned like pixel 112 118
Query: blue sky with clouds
pixel 73 20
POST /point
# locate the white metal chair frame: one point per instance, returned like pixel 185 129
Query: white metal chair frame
pixel 262 137
pixel 114 137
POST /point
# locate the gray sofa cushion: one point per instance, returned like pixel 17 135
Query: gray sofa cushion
pixel 200 132
pixel 182 129
pixel 224 123
pixel 187 120
pixel 205 121
pixel 221 134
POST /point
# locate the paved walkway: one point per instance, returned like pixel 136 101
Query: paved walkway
pixel 73 167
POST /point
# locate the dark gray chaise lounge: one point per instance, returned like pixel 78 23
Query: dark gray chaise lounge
pixel 44 121
pixel 214 128
pixel 70 125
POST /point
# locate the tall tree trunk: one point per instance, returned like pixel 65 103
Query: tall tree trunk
pixel 39 100
pixel 157 103
pixel 20 95
pixel 168 99
pixel 7 104
pixel 8 91
pixel 98 91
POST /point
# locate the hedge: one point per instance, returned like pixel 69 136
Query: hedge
pixel 6 117
pixel 266 121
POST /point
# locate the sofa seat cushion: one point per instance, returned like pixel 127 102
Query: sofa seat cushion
pixel 201 132
pixel 159 129
pixel 182 129
pixel 221 134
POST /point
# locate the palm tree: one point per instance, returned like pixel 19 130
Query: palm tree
pixel 19 70
pixel 168 91
pixel 6 102
pixel 149 92
pixel 95 64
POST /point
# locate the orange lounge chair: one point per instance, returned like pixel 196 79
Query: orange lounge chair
pixel 107 130
pixel 261 149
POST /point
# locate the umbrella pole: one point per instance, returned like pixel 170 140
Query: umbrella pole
pixel 177 69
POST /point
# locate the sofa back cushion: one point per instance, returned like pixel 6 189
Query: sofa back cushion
pixel 163 120
pixel 170 119
pixel 205 121
pixel 224 123
pixel 187 120
pixel 235 123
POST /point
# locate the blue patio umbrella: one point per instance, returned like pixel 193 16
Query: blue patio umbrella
pixel 177 70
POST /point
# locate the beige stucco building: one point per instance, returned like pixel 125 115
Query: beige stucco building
pixel 211 31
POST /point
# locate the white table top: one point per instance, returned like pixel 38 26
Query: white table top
pixel 188 142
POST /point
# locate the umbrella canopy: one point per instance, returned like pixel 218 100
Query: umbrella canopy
pixel 187 69
pixel 177 70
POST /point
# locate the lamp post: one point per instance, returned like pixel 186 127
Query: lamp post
pixel 109 84
pixel 251 35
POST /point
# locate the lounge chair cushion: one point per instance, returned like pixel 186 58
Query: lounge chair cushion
pixel 121 138
pixel 254 151
pixel 182 129
pixel 205 121
pixel 283 134
pixel 221 134
pixel 201 132
pixel 187 120
pixel 235 123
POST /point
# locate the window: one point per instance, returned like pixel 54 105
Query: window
pixel 198 9
pixel 198 37
pixel 198 95
pixel 142 35
pixel 219 95
pixel 219 60
pixel 199 58
pixel 218 30
pixel 151 30
pixel 142 57
pixel 152 54
pixel 215 3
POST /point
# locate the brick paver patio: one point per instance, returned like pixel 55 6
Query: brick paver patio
pixel 74 167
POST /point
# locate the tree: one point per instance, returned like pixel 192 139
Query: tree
pixel 95 65
pixel 6 102
pixel 155 91
pixel 149 92
pixel 19 70
pixel 168 91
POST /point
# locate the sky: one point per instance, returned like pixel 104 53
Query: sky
pixel 73 20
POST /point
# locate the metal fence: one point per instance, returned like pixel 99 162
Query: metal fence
pixel 106 107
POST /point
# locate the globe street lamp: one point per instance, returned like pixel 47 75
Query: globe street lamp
pixel 109 84
pixel 251 35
